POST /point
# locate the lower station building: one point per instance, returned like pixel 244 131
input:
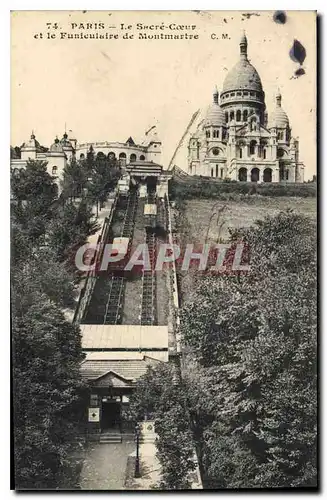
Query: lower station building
pixel 128 318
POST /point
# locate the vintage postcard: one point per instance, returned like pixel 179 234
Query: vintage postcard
pixel 163 250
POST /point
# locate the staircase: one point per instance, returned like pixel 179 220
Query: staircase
pixel 111 437
pixel 116 437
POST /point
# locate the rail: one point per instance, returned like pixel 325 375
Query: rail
pixel 91 277
pixel 106 304
pixel 148 300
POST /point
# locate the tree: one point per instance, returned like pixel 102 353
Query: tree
pixel 48 402
pixel 160 396
pixel 34 186
pixel 70 230
pixel 74 179
pixel 48 390
pixel 254 400
pixel 34 192
pixel 104 173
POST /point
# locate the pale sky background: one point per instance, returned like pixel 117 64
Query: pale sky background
pixel 111 89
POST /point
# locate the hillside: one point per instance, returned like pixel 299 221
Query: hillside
pixel 234 214
pixel 207 220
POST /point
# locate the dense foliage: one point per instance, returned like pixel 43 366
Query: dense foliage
pixel 253 339
pixel 96 175
pixel 161 397
pixel 249 367
pixel 48 391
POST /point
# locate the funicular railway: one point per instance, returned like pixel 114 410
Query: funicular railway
pixel 148 303
pixel 107 302
pixel 126 316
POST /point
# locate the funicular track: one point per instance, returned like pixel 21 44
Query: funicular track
pixel 162 216
pixel 115 302
pixel 148 303
pixel 108 296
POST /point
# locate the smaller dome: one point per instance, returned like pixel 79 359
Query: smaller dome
pixel 278 117
pixel 215 116
pixel 56 147
pixel 65 142
pixel 32 143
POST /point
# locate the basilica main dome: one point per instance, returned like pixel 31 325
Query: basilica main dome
pixel 242 88
pixel 243 76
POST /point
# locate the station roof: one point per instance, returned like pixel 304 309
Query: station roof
pixel 110 371
pixel 124 337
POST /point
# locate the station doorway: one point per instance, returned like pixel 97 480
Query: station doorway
pixel 111 415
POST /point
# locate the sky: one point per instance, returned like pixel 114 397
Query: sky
pixel 110 89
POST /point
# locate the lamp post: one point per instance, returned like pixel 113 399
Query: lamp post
pixel 137 459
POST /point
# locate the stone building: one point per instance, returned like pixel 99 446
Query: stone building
pixel 62 151
pixel 237 140
pixel 56 155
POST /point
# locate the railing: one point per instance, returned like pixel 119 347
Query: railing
pixel 91 278
pixel 148 301
pixel 106 304
pixel 122 145
pixel 148 304
pixel 173 282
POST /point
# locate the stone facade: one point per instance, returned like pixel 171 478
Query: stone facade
pixel 63 150
pixel 236 140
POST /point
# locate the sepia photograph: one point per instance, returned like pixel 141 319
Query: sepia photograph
pixel 163 268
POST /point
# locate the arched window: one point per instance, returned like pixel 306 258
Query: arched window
pixel 226 116
pixel 142 157
pixel 240 152
pixel 81 156
pixel 252 147
pixel 216 170
pixel 242 174
pixel 267 175
pixel 238 115
pixel 245 115
pixel 216 134
pixel 255 174
pixel 232 115
pixel 264 153
pixel 111 155
pixel 132 157
pixel 122 156
pixel 101 155
pixel 207 134
pixel 54 170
